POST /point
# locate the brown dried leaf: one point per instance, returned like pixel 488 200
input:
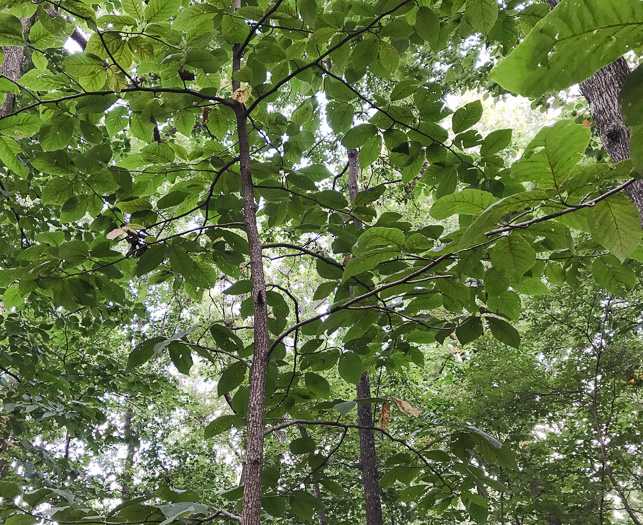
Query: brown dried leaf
pixel 405 407
pixel 242 94
pixel 115 233
pixel 385 416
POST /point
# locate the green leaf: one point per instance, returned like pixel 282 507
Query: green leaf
pixel 134 205
pixel 181 356
pixel 389 56
pixel 20 126
pixel 160 10
pixel 615 224
pixel 234 30
pixel 350 367
pixel 133 8
pixel 10 31
pixel 506 303
pixel 513 255
pixel 359 135
pixel 550 157
pixel 631 98
pixel 596 32
pixel 303 445
pixel 219 426
pixel 346 406
pixel 274 505
pixel 151 258
pixel 318 385
pixel 20 519
pixel 143 352
pixel 427 25
pixel 470 330
pixel 636 149
pixel 303 504
pixel 380 236
pixel 504 332
pixel 482 14
pixel 57 134
pixel 9 150
pixel 202 59
pixel 231 378
pixel 83 65
pixel 467 202
pixel 340 116
pixel 308 11
pixel 496 141
pixel 192 16
pixel 613 276
pixel 467 116
pixel 9 490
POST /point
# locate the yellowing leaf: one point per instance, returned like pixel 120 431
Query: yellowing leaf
pixel 385 416
pixel 242 94
pixel 405 407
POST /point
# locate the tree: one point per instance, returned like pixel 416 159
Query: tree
pixel 186 143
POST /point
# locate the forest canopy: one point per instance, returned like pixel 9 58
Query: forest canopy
pixel 291 261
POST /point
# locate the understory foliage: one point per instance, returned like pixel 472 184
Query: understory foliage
pixel 194 278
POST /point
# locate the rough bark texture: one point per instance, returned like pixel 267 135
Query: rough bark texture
pixel 601 91
pixel 14 61
pixel 253 466
pixel 368 456
pixel 254 440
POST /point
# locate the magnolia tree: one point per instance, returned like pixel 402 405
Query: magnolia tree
pixel 181 146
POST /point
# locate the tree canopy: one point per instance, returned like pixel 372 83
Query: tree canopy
pixel 250 248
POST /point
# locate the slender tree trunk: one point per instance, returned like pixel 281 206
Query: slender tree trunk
pixel 367 453
pixel 601 92
pixel 253 466
pixel 321 513
pixel 131 450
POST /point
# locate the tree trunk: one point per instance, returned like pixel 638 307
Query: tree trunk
pixel 321 513
pixel 253 465
pixel 367 453
pixel 14 61
pixel 131 450
pixel 601 92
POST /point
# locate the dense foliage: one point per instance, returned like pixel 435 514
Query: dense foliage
pixel 219 222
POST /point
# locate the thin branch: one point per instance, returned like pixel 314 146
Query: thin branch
pixel 588 204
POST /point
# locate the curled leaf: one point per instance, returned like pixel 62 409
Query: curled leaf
pixel 385 416
pixel 405 407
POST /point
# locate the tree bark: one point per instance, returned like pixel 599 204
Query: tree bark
pixel 253 465
pixel 14 61
pixel 321 513
pixel 367 453
pixel 601 92
pixel 128 463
